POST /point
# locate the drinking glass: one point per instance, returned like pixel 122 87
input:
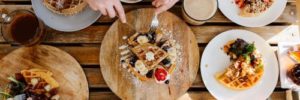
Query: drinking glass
pixel 13 33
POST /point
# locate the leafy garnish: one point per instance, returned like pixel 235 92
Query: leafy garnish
pixel 16 86
pixel 13 80
pixel 248 59
pixel 4 94
pixel 249 48
pixel 241 48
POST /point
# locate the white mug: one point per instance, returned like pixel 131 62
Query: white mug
pixel 197 12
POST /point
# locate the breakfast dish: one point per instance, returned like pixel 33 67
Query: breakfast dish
pixel 252 13
pixel 64 20
pixel 294 74
pixel 215 62
pixel 252 8
pixel 32 84
pixel 150 55
pixel 289 58
pixel 65 7
pixel 246 67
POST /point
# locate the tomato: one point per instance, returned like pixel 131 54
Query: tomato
pixel 241 3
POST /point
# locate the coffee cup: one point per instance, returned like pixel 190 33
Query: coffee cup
pixel 197 12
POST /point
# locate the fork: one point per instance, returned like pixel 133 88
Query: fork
pixel 154 24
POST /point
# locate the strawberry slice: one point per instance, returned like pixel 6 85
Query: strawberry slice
pixel 160 74
pixel 267 1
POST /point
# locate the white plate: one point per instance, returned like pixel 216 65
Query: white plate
pixel 131 1
pixel 214 61
pixel 65 23
pixel 231 11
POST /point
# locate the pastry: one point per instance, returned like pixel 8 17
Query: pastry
pixel 246 67
pixel 65 7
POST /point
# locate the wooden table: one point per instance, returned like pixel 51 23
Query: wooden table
pixel 84 45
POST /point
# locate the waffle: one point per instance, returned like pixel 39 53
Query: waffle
pixel 240 83
pixel 132 39
pixel 65 7
pixel 45 75
pixel 154 38
pixel 170 44
pixel 141 50
pixel 39 88
pixel 148 52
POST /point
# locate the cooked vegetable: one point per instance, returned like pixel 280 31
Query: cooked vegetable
pixel 16 86
pixel 249 49
pixel 241 47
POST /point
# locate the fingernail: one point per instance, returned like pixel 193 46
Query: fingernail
pixel 123 21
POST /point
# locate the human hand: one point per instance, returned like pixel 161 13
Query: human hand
pixel 108 7
pixel 163 5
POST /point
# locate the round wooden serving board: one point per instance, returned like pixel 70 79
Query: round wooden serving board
pixel 124 84
pixel 66 70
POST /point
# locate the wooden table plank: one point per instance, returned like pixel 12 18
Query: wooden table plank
pixel 95 34
pixel 191 95
pixel 88 56
pixel 287 16
pixel 84 55
pixel 95 79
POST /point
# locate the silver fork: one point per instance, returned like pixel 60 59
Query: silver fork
pixel 154 24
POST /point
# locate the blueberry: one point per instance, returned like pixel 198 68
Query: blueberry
pixel 122 61
pixel 166 62
pixel 133 60
pixel 149 74
pixel 166 48
pixel 151 37
pixel 167 82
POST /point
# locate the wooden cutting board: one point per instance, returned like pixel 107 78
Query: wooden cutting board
pixel 124 84
pixel 66 70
